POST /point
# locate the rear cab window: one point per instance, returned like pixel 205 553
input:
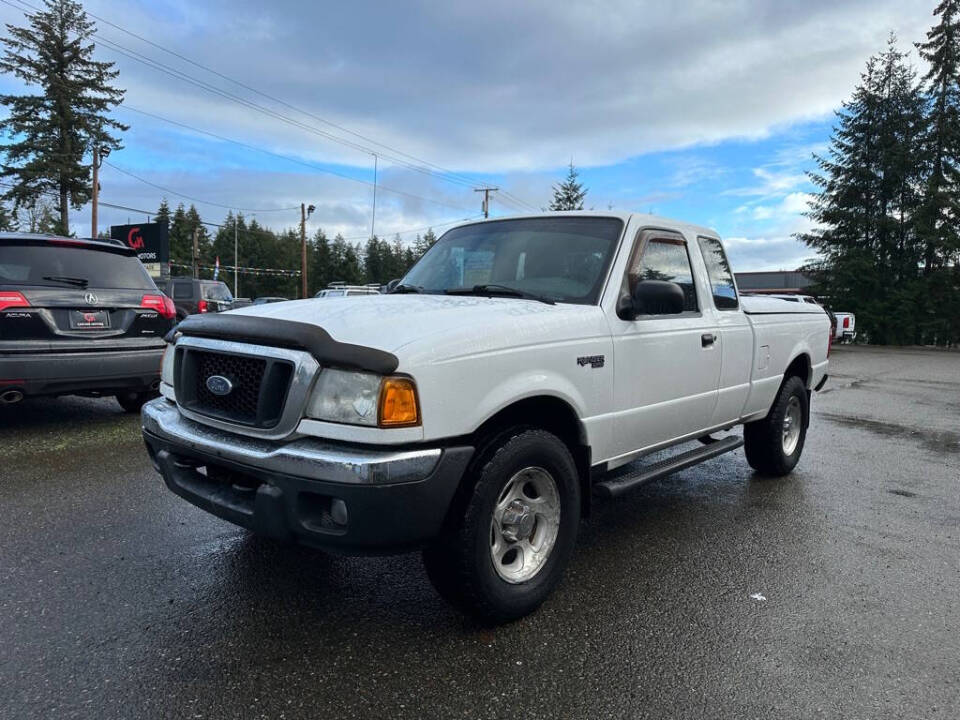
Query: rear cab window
pixel 54 264
pixel 722 286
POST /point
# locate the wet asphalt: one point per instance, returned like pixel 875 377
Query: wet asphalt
pixel 119 600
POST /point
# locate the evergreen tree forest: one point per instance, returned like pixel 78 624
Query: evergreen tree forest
pixel 887 202
pixel 261 250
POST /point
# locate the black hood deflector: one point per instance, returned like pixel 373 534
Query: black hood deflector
pixel 289 334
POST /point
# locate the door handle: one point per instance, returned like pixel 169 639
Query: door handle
pixel 707 339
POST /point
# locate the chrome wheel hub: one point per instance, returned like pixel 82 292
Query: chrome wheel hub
pixel 525 525
pixel 792 424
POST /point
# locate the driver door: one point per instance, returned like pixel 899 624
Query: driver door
pixel 667 366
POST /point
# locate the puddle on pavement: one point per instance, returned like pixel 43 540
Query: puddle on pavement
pixel 937 441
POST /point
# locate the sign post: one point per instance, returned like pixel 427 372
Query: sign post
pixel 151 241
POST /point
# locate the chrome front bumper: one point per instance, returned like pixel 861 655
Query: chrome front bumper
pixel 306 458
pixel 344 498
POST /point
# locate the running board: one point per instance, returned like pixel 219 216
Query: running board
pixel 648 473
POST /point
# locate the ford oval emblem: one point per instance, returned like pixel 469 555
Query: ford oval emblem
pixel 219 385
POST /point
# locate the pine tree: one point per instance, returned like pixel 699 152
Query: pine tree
pixel 569 194
pixel 319 261
pixel 940 213
pixel 939 216
pixel 52 131
pixel 867 203
pixel 422 244
pixel 8 219
pixel 163 212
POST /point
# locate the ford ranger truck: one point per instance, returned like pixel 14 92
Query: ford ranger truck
pixel 521 368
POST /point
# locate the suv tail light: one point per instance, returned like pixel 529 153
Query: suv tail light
pixel 12 300
pixel 846 323
pixel 201 306
pixel 161 303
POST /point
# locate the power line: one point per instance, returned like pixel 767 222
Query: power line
pixel 264 231
pixel 419 229
pixel 131 54
pixel 288 158
pixel 464 179
pixel 194 199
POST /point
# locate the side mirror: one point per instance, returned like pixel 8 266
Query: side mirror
pixel 653 297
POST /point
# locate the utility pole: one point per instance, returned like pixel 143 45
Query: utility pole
pixel 305 212
pixel 96 189
pixel 373 219
pixel 236 221
pixel 98 155
pixel 485 206
pixel 196 252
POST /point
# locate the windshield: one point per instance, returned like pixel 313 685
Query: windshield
pixel 217 291
pixel 62 265
pixel 564 259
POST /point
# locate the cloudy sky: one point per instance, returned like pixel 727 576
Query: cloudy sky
pixel 704 110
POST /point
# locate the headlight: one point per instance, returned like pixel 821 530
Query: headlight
pixel 166 365
pixel 358 398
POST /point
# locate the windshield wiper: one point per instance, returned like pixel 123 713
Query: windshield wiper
pixel 79 282
pixel 404 288
pixel 490 290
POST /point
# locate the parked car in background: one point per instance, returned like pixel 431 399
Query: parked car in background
pixel 78 317
pixel 269 299
pixel 846 330
pixel 344 290
pixel 476 409
pixel 192 296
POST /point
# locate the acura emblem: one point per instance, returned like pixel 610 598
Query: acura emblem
pixel 90 299
pixel 219 385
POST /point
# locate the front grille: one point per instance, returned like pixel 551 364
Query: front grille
pixel 244 373
pixel 258 392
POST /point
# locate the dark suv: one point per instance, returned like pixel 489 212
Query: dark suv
pixel 191 296
pixel 78 317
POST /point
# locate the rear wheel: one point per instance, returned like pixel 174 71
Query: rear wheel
pixel 507 550
pixel 131 402
pixel 773 445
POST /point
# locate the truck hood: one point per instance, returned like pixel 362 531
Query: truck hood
pixel 425 328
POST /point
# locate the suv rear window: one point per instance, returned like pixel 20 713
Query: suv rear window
pixel 216 291
pixel 52 265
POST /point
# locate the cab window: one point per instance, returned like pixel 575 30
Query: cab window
pixel 666 259
pixel 722 287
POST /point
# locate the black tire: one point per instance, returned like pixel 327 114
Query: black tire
pixel 459 563
pixel 764 439
pixel 131 402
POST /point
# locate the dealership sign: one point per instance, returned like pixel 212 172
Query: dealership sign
pixel 151 241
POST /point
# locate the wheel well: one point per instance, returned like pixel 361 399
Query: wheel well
pixel 553 415
pixel 801 368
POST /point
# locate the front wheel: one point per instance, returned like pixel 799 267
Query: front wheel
pixel 773 445
pixel 506 551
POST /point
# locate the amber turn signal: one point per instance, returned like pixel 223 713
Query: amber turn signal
pixel 398 403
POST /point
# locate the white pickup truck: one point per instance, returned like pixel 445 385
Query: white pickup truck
pixel 475 410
